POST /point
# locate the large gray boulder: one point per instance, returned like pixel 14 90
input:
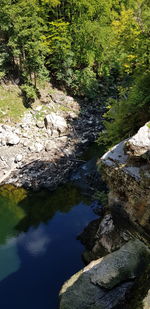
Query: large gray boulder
pixel 121 265
pixel 103 284
pixel 79 293
pixel 139 144
pixel 56 123
pixel 8 136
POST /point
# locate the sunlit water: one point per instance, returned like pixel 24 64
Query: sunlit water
pixel 39 249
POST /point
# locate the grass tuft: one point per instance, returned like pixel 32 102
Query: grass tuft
pixel 11 103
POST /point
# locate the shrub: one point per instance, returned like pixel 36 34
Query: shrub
pixel 85 83
pixel 29 92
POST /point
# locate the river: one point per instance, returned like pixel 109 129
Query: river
pixel 39 249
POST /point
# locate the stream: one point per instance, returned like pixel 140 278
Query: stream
pixel 39 249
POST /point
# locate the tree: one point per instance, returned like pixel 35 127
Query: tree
pixel 22 27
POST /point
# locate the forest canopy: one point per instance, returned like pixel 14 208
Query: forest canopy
pixel 81 45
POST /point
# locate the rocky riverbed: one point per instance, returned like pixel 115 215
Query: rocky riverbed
pixel 46 145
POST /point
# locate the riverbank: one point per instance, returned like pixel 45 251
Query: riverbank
pixel 42 149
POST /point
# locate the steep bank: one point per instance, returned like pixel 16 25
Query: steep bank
pixel 126 169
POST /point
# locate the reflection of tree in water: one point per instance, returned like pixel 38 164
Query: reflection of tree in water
pixel 20 209
pixel 10 212
pixel 41 206
pixel 10 215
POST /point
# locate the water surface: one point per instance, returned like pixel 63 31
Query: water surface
pixel 38 245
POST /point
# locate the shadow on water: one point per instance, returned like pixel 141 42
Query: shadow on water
pixel 38 247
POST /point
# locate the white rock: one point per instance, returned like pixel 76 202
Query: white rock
pixel 38 147
pixel 7 128
pixel 68 152
pixel 12 139
pixel 38 108
pixel 73 115
pixel 28 119
pixel 142 138
pixel 31 147
pixel 139 144
pixel 24 143
pixel 49 132
pixel 3 141
pixel 40 124
pixel 17 131
pixel 23 126
pixel 26 135
pixel 63 139
pixel 2 158
pixel 50 145
pixel 55 133
pixel 56 123
pixel 18 158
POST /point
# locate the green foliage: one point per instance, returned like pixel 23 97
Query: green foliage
pixel 124 116
pixel 57 36
pixel 61 60
pixel 2 75
pixel 52 3
pixel 129 52
pixel 129 38
pixel 148 125
pixel 85 83
pixel 21 27
pixel 2 66
pixel 101 196
pixel 29 92
pixel 77 43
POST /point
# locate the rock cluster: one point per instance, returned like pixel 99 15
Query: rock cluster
pixel 42 149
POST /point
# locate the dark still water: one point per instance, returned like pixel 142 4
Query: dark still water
pixel 38 245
